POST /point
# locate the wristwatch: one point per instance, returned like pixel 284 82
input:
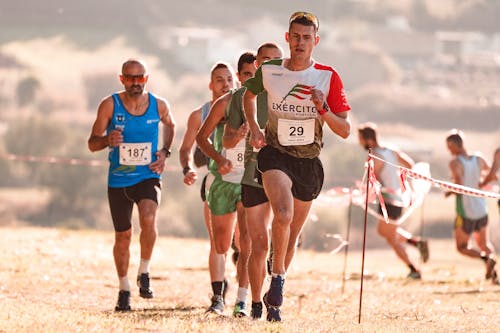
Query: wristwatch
pixel 167 152
pixel 325 109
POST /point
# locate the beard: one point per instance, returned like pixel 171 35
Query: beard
pixel 135 90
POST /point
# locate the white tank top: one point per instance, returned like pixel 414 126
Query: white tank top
pixel 474 207
pixel 390 177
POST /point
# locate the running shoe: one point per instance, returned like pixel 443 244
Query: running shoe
pixel 494 278
pixel 217 305
pixel 123 303
pixel 273 312
pixel 239 310
pixel 143 284
pixel 490 267
pixel 256 312
pixel 275 292
pixel 415 275
pixel 423 248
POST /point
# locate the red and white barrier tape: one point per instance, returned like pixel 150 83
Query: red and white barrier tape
pixel 460 189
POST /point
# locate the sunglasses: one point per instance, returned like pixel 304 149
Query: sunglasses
pixel 141 78
pixel 310 17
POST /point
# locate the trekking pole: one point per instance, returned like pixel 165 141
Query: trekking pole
pixel 364 235
pixel 346 250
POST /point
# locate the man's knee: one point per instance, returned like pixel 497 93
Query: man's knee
pixel 260 247
pixel 123 239
pixel 283 215
pixel 461 247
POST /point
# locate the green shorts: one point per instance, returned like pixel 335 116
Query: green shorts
pixel 223 196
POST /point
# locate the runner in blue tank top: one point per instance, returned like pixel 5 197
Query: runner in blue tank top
pixel 127 124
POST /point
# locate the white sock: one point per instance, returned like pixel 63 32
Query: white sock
pixel 144 266
pixel 242 295
pixel 124 283
pixel 281 275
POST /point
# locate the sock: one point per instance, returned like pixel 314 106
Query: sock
pixel 144 266
pixel 217 287
pixel 242 295
pixel 280 275
pixel 124 283
pixel 412 241
pixel 412 268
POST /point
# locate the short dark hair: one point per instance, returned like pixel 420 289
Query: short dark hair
pixel 219 65
pixel 456 137
pixel 304 18
pixel 368 131
pixel 268 45
pixel 245 58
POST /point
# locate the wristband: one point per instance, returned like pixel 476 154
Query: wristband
pixel 324 109
pixel 185 170
pixel 167 152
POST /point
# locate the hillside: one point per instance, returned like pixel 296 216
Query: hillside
pixel 58 59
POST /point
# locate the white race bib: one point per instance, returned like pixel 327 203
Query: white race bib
pixel 135 153
pixel 237 157
pixel 295 132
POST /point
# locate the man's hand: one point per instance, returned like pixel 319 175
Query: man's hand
pixel 317 98
pixel 241 133
pixel 257 138
pixel 225 166
pixel 158 166
pixel 190 177
pixel 115 138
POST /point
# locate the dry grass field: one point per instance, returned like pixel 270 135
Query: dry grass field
pixel 54 280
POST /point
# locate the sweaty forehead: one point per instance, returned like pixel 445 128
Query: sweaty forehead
pixel 221 73
pixel 297 28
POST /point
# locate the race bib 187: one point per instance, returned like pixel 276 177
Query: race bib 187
pixel 295 132
pixel 135 153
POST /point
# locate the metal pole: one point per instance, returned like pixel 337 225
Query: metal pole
pixel 346 250
pixel 364 237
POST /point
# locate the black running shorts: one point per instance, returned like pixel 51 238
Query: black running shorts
pixel 393 212
pixel 122 199
pixel 469 226
pixel 252 196
pixel 306 173
pixel 203 193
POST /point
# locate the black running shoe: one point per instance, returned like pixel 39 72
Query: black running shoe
pixel 273 312
pixel 123 303
pixel 275 292
pixel 490 267
pixel 217 305
pixel 256 312
pixel 143 284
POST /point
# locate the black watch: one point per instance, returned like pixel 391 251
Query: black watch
pixel 167 152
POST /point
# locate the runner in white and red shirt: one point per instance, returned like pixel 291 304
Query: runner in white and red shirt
pixel 302 96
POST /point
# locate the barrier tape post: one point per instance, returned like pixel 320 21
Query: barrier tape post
pixel 348 233
pixel 422 223
pixel 370 162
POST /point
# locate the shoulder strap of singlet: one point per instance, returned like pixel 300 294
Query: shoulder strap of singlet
pixel 205 109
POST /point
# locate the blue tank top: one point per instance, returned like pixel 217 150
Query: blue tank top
pixel 141 129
